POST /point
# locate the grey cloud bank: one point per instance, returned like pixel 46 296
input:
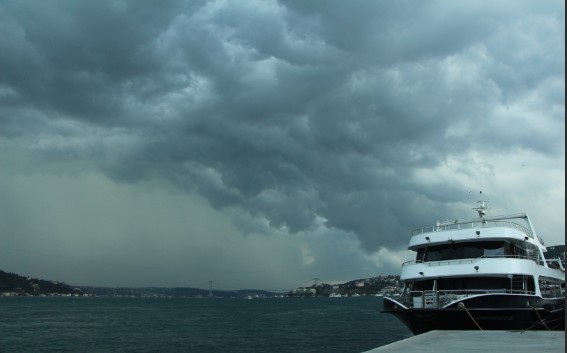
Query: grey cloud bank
pixel 265 143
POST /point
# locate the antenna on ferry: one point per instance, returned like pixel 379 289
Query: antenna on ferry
pixel 481 209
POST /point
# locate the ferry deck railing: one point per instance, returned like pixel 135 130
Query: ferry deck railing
pixel 466 261
pixel 435 299
pixel 473 224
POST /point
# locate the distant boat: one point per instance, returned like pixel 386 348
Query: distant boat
pixel 485 273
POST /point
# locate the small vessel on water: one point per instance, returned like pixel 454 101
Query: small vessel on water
pixel 483 273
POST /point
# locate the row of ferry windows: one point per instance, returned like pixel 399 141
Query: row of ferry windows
pixel 549 287
pixel 518 283
pixel 473 250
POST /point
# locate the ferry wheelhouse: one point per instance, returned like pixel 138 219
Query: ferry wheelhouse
pixel 485 273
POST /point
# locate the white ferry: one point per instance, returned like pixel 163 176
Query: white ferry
pixel 485 273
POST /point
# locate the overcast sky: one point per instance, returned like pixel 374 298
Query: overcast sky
pixel 263 143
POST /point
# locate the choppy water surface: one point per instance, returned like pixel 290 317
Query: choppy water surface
pixel 34 324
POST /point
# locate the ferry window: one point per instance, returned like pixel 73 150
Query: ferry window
pixel 531 284
pixel 549 288
pixel 420 254
pixel 470 250
pixel 522 283
pixel 518 251
pixel 485 283
pixel 433 255
pixel 423 285
pixel 532 252
pixel 449 252
pixel 494 249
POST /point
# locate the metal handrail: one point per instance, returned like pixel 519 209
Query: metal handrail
pixel 473 224
pixel 464 261
pixel 440 298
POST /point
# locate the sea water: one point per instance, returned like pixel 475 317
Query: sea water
pixel 55 324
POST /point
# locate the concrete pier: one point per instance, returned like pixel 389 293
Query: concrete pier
pixel 479 341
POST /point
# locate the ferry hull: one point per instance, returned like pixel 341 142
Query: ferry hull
pixel 550 315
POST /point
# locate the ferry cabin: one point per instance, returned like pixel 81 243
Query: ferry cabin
pixel 462 259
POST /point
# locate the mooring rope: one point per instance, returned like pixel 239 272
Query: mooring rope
pixel 462 306
pixel 541 321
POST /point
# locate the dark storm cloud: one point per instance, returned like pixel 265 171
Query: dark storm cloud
pixel 290 110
